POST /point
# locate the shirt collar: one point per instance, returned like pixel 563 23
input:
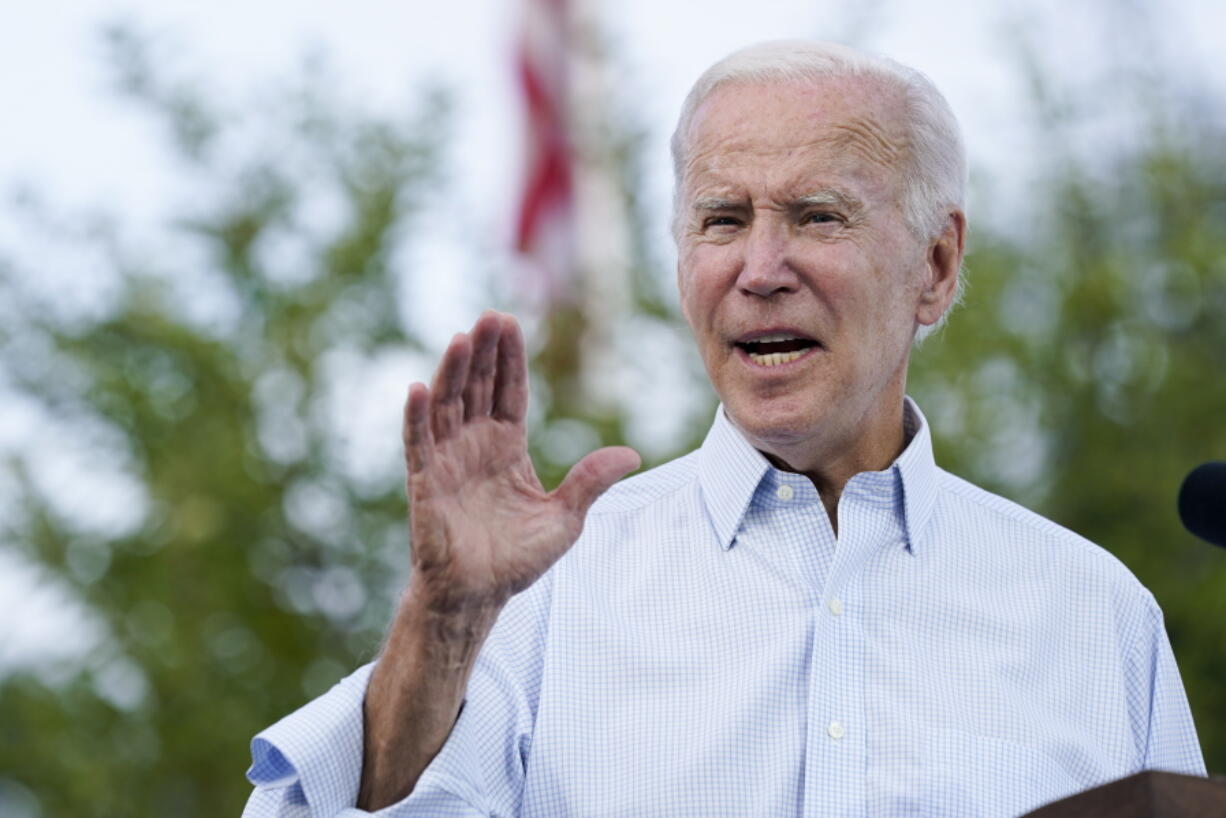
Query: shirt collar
pixel 919 474
pixel 730 469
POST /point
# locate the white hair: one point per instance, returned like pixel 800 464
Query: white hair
pixel 934 171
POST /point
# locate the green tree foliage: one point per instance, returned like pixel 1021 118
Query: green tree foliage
pixel 1086 375
pixel 260 569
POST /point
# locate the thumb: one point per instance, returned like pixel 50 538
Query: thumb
pixel 594 474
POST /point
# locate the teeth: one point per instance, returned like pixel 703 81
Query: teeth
pixel 775 358
pixel 770 338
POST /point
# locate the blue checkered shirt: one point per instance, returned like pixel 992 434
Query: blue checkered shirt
pixel 710 648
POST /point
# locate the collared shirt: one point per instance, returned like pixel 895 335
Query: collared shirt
pixel 709 647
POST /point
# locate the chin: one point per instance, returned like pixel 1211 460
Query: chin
pixel 772 423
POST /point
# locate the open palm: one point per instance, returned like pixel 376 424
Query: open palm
pixel 482 526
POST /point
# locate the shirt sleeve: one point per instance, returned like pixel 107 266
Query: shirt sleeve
pixel 310 762
pixel 1171 743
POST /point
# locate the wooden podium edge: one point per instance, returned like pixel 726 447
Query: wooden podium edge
pixel 1147 794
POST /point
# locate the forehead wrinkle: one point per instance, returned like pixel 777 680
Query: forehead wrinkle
pixel 862 137
pixel 728 153
pixel 715 169
pixel 713 153
pixel 869 139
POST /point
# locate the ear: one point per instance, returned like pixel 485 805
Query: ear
pixel 942 266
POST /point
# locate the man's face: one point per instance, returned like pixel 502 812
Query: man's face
pixel 797 271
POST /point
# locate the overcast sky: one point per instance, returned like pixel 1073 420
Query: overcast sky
pixel 64 131
pixel 66 134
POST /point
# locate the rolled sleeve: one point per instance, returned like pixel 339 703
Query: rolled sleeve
pixel 310 762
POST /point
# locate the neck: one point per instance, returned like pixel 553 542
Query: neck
pixel 830 461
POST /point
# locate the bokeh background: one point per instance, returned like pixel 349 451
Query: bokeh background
pixel 233 233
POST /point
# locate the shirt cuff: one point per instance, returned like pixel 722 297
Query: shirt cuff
pixel 318 748
pixel 318 751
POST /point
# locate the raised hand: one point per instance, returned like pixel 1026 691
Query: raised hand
pixel 482 526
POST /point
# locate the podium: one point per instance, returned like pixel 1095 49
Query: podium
pixel 1148 794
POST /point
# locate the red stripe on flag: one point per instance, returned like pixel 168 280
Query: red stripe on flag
pixel 548 183
pixel 545 223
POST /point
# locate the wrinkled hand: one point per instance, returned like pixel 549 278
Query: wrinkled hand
pixel 482 526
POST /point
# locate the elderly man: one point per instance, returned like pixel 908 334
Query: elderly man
pixel 805 616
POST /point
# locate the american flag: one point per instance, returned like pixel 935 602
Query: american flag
pixel 545 222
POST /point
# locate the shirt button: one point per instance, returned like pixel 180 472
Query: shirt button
pixel 784 492
pixel 835 730
pixel 836 606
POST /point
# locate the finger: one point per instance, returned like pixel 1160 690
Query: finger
pixel 446 393
pixel 417 437
pixel 594 474
pixel 479 388
pixel 511 379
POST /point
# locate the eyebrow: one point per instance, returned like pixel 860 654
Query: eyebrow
pixel 713 203
pixel 819 198
pixel 829 197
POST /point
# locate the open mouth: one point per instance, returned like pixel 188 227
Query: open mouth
pixel 773 350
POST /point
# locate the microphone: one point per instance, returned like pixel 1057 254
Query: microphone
pixel 1202 502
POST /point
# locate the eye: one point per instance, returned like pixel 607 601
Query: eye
pixel 720 221
pixel 821 217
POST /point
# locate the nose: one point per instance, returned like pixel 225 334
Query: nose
pixel 765 267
